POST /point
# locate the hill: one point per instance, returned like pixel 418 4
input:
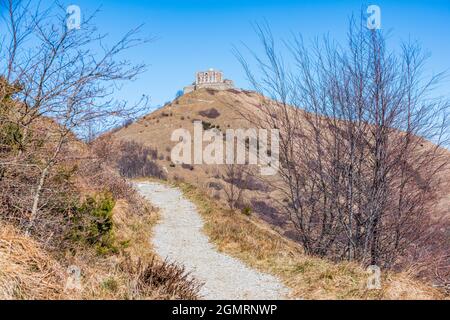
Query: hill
pixel 229 109
pixel 222 110
pixel 216 109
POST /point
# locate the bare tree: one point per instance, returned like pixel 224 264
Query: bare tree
pixel 66 75
pixel 362 143
pixel 236 178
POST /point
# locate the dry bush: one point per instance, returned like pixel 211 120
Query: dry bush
pixel 66 188
pixel 255 184
pixel 210 113
pixel 428 257
pixel 131 159
pixel 26 271
pixel 56 197
pixel 162 280
pixel 268 213
pixel 236 176
pixel 187 167
pixel 136 160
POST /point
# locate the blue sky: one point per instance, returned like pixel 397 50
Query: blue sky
pixel 197 35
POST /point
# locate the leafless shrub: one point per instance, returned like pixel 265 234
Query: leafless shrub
pixel 356 126
pixel 187 167
pixel 130 158
pixel 210 113
pixel 170 280
pixel 264 208
pixel 101 176
pixel 253 183
pixel 236 177
pixel 136 160
pixel 268 212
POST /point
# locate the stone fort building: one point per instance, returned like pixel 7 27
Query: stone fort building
pixel 212 79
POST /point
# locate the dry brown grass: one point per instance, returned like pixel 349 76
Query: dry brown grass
pixel 131 274
pixel 27 271
pixel 166 280
pixel 256 244
pixel 38 266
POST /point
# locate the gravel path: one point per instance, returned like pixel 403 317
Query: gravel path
pixel 179 237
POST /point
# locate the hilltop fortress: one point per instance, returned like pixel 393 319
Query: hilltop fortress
pixel 212 79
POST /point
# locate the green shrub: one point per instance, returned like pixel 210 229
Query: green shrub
pixel 11 136
pixel 94 223
pixel 111 284
pixel 247 211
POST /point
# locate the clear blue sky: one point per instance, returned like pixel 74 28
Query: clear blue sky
pixel 196 35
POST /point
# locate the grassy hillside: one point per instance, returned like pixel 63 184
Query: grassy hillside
pixel 255 243
pixel 219 109
pixel 216 109
pixel 90 237
pixel 223 110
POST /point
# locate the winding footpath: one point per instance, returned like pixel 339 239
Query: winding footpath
pixel 179 238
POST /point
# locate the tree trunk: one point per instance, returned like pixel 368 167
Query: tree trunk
pixel 36 199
